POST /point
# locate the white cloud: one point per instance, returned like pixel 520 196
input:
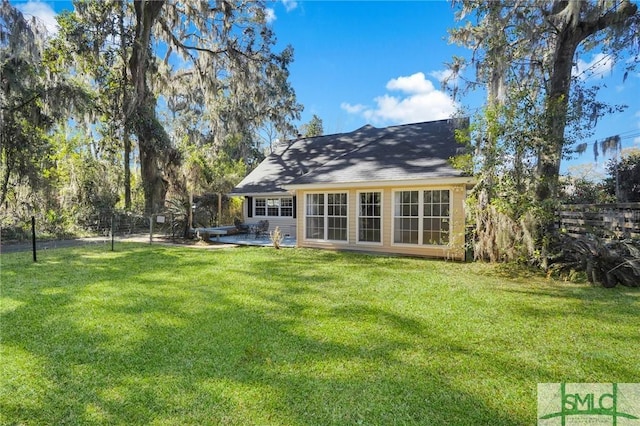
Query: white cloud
pixel 352 109
pixel 422 102
pixel 289 5
pixel 270 15
pixel 416 83
pixel 443 75
pixel 42 12
pixel 599 65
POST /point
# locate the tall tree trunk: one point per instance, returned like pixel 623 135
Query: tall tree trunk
pixel 571 31
pixel 485 226
pixel 5 179
pixel 550 154
pixel 124 108
pixel 127 168
pixel 154 150
pixel 151 140
pixel 155 187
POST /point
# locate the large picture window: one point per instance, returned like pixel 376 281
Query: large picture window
pixel 369 217
pixel 326 216
pixel 421 217
pixel 274 207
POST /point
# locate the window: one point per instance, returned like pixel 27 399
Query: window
pixel 261 207
pixel 421 217
pixel 326 216
pixel 315 216
pixel 286 207
pixel 369 217
pixel 337 217
pixel 274 207
pixel 406 219
pixel 435 225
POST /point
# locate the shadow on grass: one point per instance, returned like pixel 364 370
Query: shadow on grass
pixel 243 337
pixel 511 271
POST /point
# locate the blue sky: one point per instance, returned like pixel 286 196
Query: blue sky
pixel 380 63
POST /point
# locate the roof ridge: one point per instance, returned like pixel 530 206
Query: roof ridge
pixel 420 122
pixel 291 142
pixel 366 126
pixel 357 148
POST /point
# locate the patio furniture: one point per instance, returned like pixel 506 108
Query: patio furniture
pixel 261 229
pixel 205 233
pixel 241 228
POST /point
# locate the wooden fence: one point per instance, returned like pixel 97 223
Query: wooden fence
pixel 605 220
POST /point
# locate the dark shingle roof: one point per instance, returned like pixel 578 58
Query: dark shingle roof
pixel 406 152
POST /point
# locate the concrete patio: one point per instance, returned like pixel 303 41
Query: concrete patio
pixel 251 240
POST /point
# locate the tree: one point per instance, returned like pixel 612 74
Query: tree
pixel 227 50
pixel 584 191
pixel 93 43
pixel 623 181
pixel 31 103
pixel 21 119
pixel 211 65
pixel 312 128
pixel 524 54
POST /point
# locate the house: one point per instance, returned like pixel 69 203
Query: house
pixel 390 190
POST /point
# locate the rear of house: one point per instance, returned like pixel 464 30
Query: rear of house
pixel 389 190
pixel 425 219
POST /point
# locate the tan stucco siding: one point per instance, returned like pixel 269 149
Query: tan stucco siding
pixel 454 250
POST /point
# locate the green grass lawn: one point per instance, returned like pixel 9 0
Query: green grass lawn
pixel 254 336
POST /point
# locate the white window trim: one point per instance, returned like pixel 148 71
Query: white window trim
pixel 255 206
pixel 420 217
pixel 266 207
pixel 305 216
pixel 325 216
pixel 370 243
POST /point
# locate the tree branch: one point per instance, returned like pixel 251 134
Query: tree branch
pixel 625 11
pixel 181 45
pixel 33 98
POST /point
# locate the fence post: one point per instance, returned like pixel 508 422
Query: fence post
pixel 173 232
pixel 112 233
pixel 33 236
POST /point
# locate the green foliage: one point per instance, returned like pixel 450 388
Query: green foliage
pixel 584 191
pixel 312 128
pixel 24 120
pixel 535 107
pixel 464 162
pixel 34 101
pixel 628 178
pixel 77 106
